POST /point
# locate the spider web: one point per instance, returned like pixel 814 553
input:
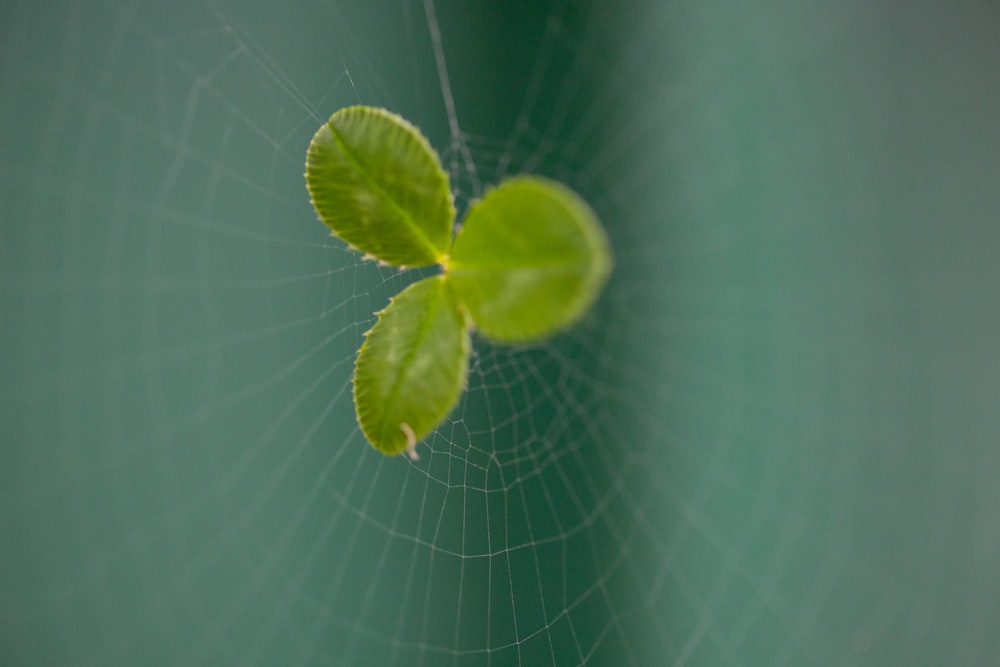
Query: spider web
pixel 769 443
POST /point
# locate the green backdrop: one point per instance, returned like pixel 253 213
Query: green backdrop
pixel 773 442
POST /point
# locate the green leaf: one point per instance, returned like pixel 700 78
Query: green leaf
pixel 530 259
pixel 412 366
pixel 378 184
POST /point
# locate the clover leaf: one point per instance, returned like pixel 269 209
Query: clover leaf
pixel 529 260
pixel 412 366
pixel 378 184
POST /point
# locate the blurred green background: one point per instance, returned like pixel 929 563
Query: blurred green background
pixel 773 442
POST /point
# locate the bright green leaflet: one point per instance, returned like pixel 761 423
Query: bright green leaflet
pixel 529 261
pixel 412 366
pixel 378 184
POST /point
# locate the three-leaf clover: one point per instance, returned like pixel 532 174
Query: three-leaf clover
pixel 528 261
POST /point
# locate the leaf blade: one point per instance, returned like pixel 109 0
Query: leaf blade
pixel 377 183
pixel 530 259
pixel 412 366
